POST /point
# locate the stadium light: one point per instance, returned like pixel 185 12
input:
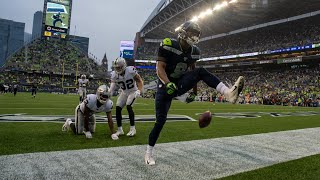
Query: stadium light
pixel 194 19
pixel 209 11
pixel 202 15
pixel 178 28
pixel 219 6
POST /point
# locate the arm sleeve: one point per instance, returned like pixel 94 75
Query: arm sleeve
pixel 112 86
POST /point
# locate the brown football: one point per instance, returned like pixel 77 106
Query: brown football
pixel 205 119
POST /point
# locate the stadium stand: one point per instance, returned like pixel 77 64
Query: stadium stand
pixel 279 42
pixel 53 64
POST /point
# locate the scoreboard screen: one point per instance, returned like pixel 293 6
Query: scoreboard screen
pixel 126 49
pixel 57 15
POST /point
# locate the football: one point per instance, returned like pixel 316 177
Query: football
pixel 205 119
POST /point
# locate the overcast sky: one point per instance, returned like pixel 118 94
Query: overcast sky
pixel 105 22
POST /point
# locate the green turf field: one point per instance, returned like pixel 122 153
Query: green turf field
pixel 28 137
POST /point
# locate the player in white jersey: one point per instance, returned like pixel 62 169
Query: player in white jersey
pixel 85 121
pixel 131 84
pixel 82 90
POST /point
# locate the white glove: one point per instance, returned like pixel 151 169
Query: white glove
pixel 114 136
pixel 137 94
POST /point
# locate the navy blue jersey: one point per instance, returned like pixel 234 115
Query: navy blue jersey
pixel 177 61
pixel 34 87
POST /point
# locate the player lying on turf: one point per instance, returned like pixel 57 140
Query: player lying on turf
pixel 85 121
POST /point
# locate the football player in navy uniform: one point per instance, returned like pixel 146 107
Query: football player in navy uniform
pixel 15 89
pixel 177 75
pixel 34 90
pixel 56 18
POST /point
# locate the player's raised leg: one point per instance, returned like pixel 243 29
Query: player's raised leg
pixel 191 78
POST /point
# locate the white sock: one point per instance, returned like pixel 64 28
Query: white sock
pixel 69 121
pixel 150 149
pixel 120 128
pixel 222 88
pixel 132 127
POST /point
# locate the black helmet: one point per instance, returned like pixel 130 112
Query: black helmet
pixel 190 32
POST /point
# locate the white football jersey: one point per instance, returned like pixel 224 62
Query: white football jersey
pixel 126 82
pixel 83 83
pixel 91 103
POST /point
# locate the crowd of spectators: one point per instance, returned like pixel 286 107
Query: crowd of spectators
pixel 294 33
pixel 52 65
pixel 46 82
pixel 52 56
pixel 147 75
pixel 295 87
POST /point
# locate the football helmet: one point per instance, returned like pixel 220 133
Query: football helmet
pixel 83 77
pixel 120 65
pixel 190 32
pixel 103 94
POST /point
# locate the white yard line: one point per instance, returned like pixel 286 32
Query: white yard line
pixel 200 159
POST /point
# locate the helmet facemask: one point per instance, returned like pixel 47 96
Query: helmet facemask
pixel 120 65
pixel 190 32
pixel 103 94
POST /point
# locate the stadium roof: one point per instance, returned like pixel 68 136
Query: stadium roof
pixel 169 14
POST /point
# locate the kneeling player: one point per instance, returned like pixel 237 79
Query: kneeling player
pixel 85 121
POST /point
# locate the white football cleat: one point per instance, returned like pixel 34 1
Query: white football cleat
pixel 66 126
pixel 88 134
pixel 118 133
pixel 233 94
pixel 132 132
pixel 148 159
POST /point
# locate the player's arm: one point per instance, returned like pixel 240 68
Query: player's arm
pixel 110 122
pixel 112 87
pixel 139 82
pixel 161 70
pixel 195 89
pixel 86 114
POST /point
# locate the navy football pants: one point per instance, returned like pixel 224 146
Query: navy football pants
pixel 163 100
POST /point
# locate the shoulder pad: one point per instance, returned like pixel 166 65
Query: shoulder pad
pixel 132 69
pixel 113 75
pixel 109 105
pixel 166 42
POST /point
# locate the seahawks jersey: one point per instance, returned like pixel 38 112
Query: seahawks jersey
pixel 177 61
pixel 83 83
pixel 91 103
pixel 126 81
